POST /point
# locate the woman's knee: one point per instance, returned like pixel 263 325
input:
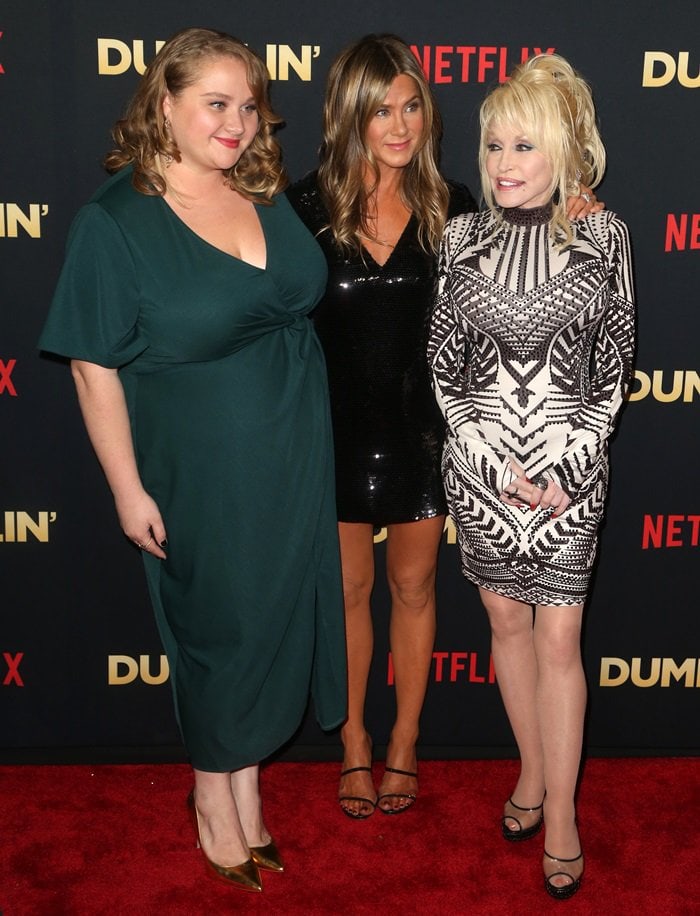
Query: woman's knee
pixel 509 619
pixel 414 589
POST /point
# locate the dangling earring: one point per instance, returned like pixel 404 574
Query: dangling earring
pixel 166 127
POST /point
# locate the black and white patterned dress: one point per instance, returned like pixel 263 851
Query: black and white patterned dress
pixel 531 350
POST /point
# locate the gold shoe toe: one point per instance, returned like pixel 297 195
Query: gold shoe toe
pixel 245 876
pixel 267 857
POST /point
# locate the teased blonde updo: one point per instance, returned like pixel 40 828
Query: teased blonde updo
pixel 552 105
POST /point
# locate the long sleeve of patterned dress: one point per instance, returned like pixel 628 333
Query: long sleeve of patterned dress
pixel 610 367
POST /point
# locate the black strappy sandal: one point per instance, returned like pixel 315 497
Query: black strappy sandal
pixel 411 798
pixel 565 891
pixel 357 815
pixel 522 833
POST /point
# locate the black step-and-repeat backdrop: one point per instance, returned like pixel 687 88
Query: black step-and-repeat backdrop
pixel 81 669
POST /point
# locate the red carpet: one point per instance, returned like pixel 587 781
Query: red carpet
pixel 116 840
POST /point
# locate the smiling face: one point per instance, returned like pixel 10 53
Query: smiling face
pixel 394 133
pixel 519 174
pixel 215 119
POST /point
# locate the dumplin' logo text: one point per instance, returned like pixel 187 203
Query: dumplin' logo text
pixel 661 68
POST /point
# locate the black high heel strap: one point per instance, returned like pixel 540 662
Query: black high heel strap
pixel 401 772
pixel 536 808
pixel 356 770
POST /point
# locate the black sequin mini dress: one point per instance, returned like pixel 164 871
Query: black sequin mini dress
pixel 373 326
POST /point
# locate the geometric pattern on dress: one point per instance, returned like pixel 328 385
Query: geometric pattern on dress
pixel 531 351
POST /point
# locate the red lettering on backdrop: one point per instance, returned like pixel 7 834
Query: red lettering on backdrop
pixel 666 531
pixel 694 531
pixel 473 676
pixel 439 659
pixel 437 64
pixel 652 531
pixel 456 664
pixel 484 63
pixel 465 52
pixel 12 668
pixel 5 380
pixel 677 234
pixel 441 64
pixel 673 531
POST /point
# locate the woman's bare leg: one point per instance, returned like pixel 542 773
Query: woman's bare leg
pixel 517 671
pixel 357 558
pixel 561 705
pixel 221 834
pixel 245 786
pixel 412 550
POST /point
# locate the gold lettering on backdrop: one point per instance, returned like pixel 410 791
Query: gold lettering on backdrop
pixel 12 218
pixel 683 384
pixel 117 676
pixel 19 524
pixel 115 57
pixel 123 669
pixel 449 531
pixel 281 58
pixel 686 670
pixel 608 677
pixel 651 679
pixel 654 77
pixel 616 671
pixel 145 670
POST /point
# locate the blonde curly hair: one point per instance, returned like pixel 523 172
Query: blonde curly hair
pixel 143 141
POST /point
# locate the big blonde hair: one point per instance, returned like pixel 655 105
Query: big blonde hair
pixel 358 82
pixel 142 138
pixel 551 104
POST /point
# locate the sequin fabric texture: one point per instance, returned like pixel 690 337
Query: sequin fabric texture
pixel 531 350
pixel 373 326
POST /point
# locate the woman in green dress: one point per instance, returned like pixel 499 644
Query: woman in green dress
pixel 183 305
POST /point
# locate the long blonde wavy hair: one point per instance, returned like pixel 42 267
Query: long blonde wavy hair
pixel 142 138
pixel 551 104
pixel 358 82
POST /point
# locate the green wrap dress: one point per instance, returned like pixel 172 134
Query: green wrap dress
pixel 226 389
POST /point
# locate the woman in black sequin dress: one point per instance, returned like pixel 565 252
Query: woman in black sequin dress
pixel 377 207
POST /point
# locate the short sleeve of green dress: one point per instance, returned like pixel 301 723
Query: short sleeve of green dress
pixel 227 395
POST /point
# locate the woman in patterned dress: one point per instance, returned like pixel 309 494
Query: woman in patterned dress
pixel 531 349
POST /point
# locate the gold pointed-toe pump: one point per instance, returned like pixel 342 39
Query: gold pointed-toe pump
pixel 267 857
pixel 244 876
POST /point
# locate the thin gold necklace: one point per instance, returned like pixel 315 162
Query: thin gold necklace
pixel 376 240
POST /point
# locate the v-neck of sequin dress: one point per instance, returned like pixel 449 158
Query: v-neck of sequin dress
pixel 227 396
pixel 373 325
pixel 531 350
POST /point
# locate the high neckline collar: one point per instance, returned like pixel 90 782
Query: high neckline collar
pixel 533 216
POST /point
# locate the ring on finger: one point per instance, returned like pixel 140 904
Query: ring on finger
pixel 586 196
pixel 144 546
